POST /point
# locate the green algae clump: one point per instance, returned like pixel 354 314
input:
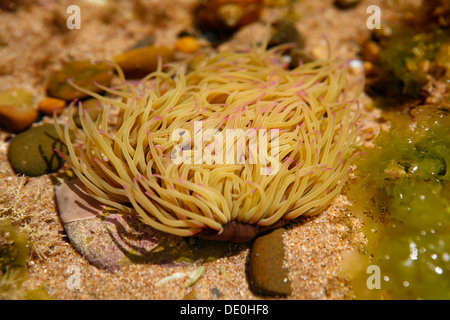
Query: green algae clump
pixel 407 59
pixel 406 201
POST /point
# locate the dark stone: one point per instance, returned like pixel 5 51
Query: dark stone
pixel 32 151
pixel 285 32
pixel 346 4
pixel 266 272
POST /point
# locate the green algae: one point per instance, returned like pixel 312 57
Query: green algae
pixel 404 190
pixel 14 253
pixel 407 58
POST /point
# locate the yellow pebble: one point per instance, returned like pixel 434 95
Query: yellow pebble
pixel 48 105
pixel 187 44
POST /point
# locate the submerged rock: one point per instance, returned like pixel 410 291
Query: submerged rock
pixel 139 62
pixel 267 274
pixel 93 108
pixel 84 74
pixel 49 105
pixel 110 239
pixel 32 151
pixel 17 110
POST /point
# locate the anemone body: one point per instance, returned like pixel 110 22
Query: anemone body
pixel 126 159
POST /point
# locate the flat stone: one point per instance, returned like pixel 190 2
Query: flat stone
pixel 74 203
pixel 84 74
pixel 266 271
pixel 110 239
pixel 17 110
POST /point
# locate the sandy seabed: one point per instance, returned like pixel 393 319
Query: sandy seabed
pixel 38 43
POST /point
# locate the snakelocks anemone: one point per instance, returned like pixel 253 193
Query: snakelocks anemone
pixel 238 145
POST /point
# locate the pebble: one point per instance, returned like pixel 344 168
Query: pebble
pixel 93 108
pixel 138 63
pixel 49 105
pixel 32 152
pixel 83 73
pixel 285 32
pixel 110 239
pixel 17 110
pixel 266 272
pixel 227 14
pixel 345 4
pixel 187 44
pixel 146 41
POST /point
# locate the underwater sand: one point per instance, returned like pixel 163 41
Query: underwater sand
pixel 314 246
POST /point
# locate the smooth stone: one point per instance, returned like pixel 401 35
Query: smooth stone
pixel 138 63
pixel 110 239
pixel 17 110
pixel 32 151
pixel 49 105
pixel 285 32
pixel 346 4
pixel 84 74
pixel 93 107
pixel 74 203
pixel 187 44
pixel 223 15
pixel 267 274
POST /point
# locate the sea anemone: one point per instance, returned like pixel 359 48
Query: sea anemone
pixel 129 157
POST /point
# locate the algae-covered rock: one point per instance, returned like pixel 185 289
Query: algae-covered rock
pixel 32 151
pixel 17 110
pixel 82 73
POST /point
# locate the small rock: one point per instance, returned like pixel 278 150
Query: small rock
pixel 17 111
pixel 146 41
pixel 285 32
pixel 216 292
pixel 93 108
pixel 74 203
pixel 84 74
pixel 346 4
pixel 187 44
pixel 32 151
pixel 138 63
pixel 299 56
pixel 267 276
pixel 226 15
pixel 49 105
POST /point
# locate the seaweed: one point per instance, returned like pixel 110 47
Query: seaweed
pixel 403 190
